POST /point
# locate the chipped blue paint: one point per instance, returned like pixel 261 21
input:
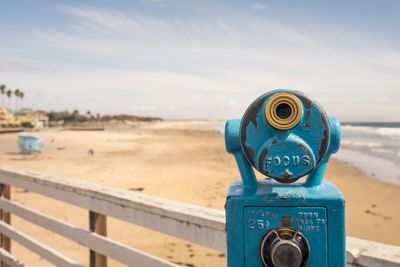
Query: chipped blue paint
pixel 310 135
pixel 254 207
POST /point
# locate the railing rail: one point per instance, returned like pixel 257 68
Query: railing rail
pixel 193 223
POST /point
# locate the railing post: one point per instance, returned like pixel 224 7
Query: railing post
pixel 5 242
pixel 98 225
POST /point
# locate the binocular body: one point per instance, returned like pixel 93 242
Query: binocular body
pixel 283 221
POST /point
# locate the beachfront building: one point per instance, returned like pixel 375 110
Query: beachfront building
pixel 34 119
pixel 7 119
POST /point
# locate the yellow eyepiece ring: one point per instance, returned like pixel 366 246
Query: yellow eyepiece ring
pixel 281 122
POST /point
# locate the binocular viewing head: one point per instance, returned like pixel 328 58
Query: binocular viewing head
pixel 285 135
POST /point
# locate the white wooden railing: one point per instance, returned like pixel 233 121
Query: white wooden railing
pixel 193 223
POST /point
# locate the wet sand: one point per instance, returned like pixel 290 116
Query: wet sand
pixel 183 161
pixel 380 168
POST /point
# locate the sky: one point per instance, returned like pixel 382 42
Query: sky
pixel 183 59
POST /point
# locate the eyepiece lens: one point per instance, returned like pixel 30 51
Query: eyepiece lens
pixel 283 111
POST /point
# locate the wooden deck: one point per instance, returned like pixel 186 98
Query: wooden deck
pixel 193 223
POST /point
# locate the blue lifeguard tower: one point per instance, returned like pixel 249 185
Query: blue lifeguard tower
pixel 29 143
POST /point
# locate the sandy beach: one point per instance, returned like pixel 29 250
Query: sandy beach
pixel 183 161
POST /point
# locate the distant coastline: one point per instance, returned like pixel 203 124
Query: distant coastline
pixel 372 124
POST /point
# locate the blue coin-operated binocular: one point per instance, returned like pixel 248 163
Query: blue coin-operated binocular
pixel 284 221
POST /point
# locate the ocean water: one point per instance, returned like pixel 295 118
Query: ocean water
pixel 375 148
pixel 380 141
pixel 372 147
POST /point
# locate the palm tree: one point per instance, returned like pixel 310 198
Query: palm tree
pixel 9 94
pixel 2 91
pixel 88 114
pixel 21 95
pixel 16 93
pixel 75 115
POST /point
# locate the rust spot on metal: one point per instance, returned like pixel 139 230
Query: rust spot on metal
pixel 287 180
pixel 308 103
pixel 250 116
pixel 307 106
pixel 260 161
pixel 285 175
pixel 250 153
pixel 286 221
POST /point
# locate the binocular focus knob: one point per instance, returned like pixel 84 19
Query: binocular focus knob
pixel 285 248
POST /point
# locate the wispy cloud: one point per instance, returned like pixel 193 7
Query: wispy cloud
pixel 11 66
pixel 116 60
pixel 259 6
